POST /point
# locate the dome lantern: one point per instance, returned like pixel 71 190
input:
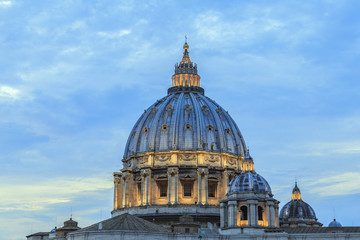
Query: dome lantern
pixel 296 194
pixel 185 76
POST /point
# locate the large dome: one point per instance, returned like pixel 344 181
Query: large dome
pixel 185 120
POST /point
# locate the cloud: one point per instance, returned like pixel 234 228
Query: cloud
pixel 39 194
pixel 330 148
pixel 115 34
pixel 5 3
pixel 9 93
pixel 340 184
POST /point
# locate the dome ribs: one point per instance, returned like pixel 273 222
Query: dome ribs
pixel 155 128
pixel 174 123
pixel 218 124
pixel 199 132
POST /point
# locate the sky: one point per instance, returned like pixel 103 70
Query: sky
pixel 76 75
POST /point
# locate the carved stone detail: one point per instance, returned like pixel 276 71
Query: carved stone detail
pixel 231 161
pixel 128 164
pixel 143 160
pixel 187 157
pixel 163 158
pixel 211 159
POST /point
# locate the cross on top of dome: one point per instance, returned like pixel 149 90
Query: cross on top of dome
pixel 186 57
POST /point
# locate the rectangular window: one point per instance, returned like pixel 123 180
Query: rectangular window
pixel 211 189
pixel 139 191
pixel 163 186
pixel 187 189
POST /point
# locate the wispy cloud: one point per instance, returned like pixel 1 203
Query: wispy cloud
pixel 113 35
pixel 337 184
pixel 331 148
pixel 30 195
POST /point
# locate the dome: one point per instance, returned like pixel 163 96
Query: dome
pixel 334 224
pixel 185 120
pixel 248 181
pixel 297 209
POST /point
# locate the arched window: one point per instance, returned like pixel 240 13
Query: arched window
pixel 243 213
pixel 260 213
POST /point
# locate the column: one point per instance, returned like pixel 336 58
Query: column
pixel 231 213
pixel 206 173
pixel 200 188
pixel 117 190
pixel 125 190
pixel 172 185
pixel 271 213
pixel 276 215
pixel 142 189
pixel 148 175
pixel 176 177
pixel 169 186
pixel 222 215
pixel 252 212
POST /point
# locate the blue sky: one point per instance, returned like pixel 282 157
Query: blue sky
pixel 76 75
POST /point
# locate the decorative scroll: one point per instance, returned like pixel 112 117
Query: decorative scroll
pixel 211 159
pixel 128 164
pixel 187 157
pixel 163 158
pixel 143 160
pixel 231 161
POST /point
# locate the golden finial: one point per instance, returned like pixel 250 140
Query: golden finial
pixel 186 46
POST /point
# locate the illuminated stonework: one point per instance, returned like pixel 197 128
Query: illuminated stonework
pixel 181 154
pixel 249 203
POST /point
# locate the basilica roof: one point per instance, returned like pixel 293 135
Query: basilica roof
pixel 125 222
pixel 248 181
pixel 185 120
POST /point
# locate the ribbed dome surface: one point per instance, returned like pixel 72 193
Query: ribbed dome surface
pixel 248 181
pixel 185 120
pixel 297 209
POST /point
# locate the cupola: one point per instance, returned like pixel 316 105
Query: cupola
pixel 185 75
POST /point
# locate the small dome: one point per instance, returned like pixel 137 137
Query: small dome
pixel 334 224
pixel 248 181
pixel 297 209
